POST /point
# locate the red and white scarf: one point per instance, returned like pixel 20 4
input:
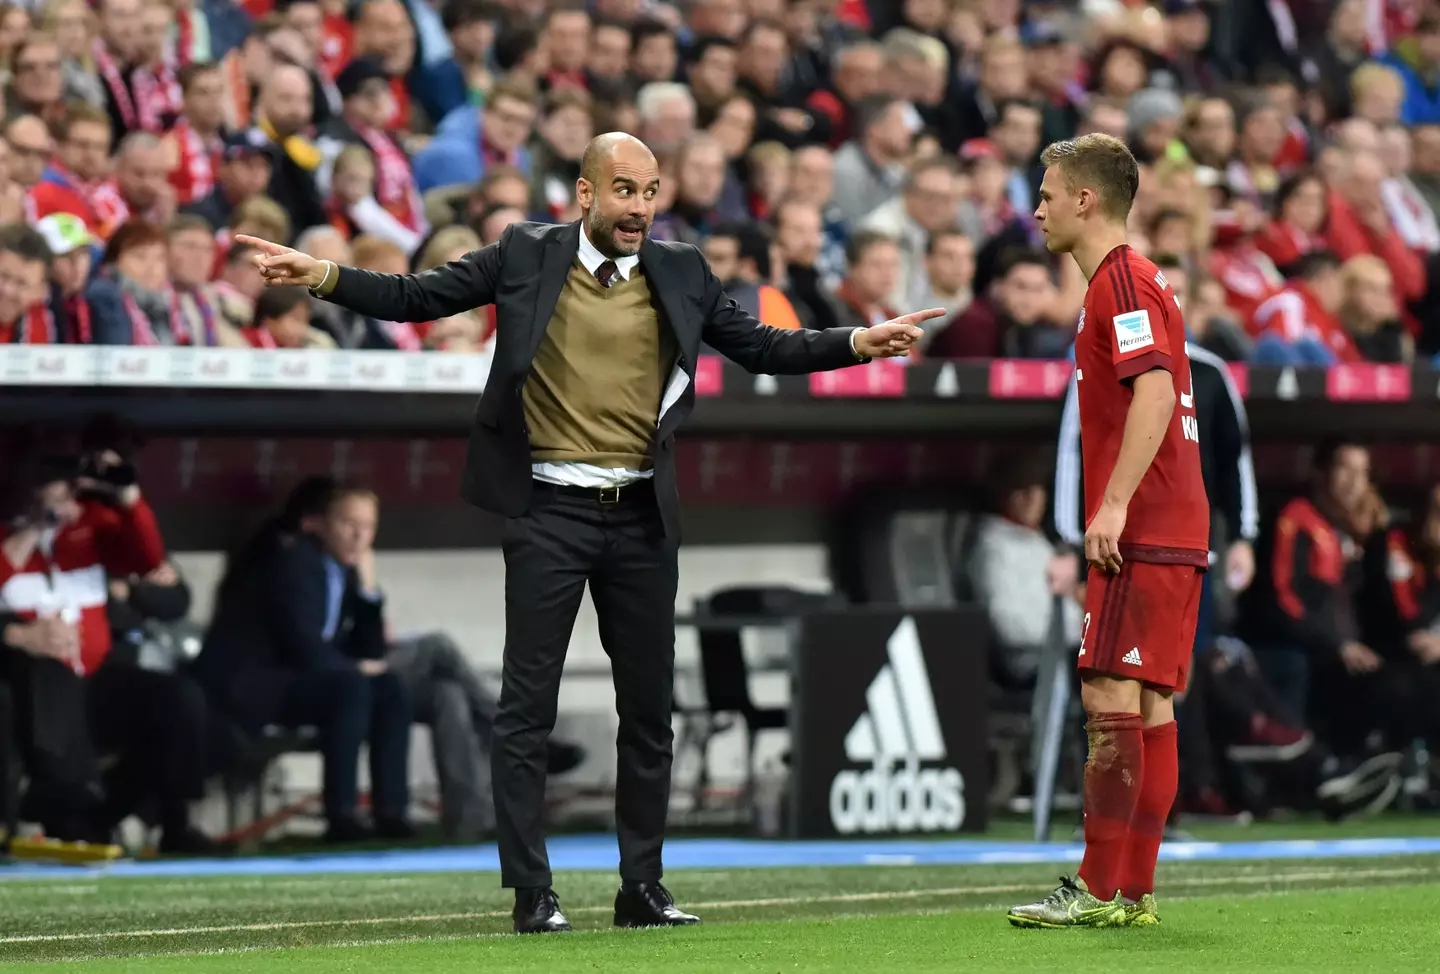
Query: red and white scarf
pixel 194 177
pixel 157 96
pixel 108 206
pixel 156 93
pixel 115 82
pixel 394 182
pixel 142 331
pixel 184 36
pixel 35 327
pixel 79 311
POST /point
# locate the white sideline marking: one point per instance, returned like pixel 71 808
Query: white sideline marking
pixel 1243 879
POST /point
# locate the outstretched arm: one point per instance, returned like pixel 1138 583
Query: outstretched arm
pixel 454 288
pixel 762 349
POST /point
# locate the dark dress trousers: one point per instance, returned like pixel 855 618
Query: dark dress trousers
pixel 557 540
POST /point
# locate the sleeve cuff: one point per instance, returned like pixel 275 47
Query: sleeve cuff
pixel 1130 368
pixel 854 332
pixel 328 282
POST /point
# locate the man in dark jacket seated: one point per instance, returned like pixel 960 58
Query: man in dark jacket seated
pixel 297 639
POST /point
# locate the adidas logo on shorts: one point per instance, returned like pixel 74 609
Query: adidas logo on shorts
pixel 1132 657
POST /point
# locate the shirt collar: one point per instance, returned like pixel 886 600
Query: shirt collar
pixel 591 257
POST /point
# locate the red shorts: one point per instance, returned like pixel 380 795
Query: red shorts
pixel 1140 624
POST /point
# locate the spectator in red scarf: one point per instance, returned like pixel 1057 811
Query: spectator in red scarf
pixel 71 245
pixel 24 271
pixel 383 31
pixel 155 89
pixel 1298 220
pixel 117 49
pixel 367 106
pixel 194 146
pixel 75 182
pixel 190 253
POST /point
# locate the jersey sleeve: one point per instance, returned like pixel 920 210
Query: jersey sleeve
pixel 1133 309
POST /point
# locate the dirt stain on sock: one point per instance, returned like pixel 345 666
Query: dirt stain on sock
pixel 1103 751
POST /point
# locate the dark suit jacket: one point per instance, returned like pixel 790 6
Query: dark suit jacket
pixel 522 274
pixel 269 626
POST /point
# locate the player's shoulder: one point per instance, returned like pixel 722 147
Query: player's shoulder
pixel 1142 273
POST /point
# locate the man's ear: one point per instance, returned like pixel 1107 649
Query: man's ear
pixel 584 192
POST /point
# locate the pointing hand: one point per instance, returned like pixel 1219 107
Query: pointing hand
pixel 281 266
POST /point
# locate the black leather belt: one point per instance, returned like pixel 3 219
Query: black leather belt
pixel 637 490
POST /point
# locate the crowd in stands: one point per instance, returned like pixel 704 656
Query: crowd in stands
pixel 838 160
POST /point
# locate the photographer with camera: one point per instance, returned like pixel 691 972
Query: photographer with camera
pixel 74 526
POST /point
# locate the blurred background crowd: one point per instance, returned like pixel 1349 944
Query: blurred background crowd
pixel 839 162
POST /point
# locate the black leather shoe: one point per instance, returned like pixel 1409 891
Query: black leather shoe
pixel 649 905
pixel 537 910
pixel 394 829
pixel 347 830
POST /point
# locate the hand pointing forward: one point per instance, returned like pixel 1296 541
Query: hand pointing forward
pixel 894 337
pixel 281 266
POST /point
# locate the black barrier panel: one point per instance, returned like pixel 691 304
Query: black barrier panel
pixel 888 723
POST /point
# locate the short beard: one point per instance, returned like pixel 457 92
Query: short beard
pixel 602 234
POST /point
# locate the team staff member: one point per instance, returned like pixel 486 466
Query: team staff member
pixel 598 329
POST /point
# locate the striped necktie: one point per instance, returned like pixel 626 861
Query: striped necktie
pixel 606 273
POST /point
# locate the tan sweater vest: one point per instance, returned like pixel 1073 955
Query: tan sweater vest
pixel 595 387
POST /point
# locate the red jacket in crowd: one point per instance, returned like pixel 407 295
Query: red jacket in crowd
pixel 1296 313
pixel 70 581
pixel 1347 236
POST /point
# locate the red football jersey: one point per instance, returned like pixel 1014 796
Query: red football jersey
pixel 1132 324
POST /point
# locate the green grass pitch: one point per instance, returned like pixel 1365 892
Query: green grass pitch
pixel 1299 915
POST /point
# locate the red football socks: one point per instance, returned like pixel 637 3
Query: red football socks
pixel 1147 825
pixel 1113 775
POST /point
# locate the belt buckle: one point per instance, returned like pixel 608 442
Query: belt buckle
pixel 609 495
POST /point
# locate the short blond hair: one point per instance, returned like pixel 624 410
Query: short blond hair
pixel 267 217
pixel 446 240
pixel 1099 162
pixel 1372 74
pixel 369 250
pixel 1362 266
